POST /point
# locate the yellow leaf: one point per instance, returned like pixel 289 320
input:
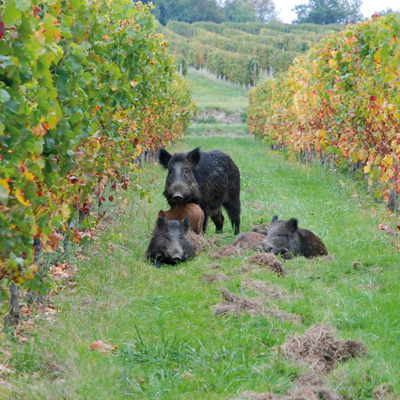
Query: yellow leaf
pixel 367 168
pixel 19 194
pixel 388 160
pixel 30 272
pixel 390 173
pixel 29 176
pixel 65 211
pixel 362 155
pixel 4 183
pixel 332 63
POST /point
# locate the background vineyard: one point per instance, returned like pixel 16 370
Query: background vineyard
pixel 241 52
pixel 84 92
pixel 340 103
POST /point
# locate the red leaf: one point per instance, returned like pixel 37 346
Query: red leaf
pixel 372 98
pixel 2 28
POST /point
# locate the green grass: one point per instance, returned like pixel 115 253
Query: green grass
pixel 170 343
pixel 209 92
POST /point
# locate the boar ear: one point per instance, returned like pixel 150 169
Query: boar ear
pixel 292 225
pixel 275 218
pixel 161 222
pixel 164 157
pixel 194 156
pixel 185 225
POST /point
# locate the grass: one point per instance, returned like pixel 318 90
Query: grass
pixel 170 344
pixel 209 92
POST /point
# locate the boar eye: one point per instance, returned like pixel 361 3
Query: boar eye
pixel 171 171
pixel 185 171
pixel 168 237
pixel 180 237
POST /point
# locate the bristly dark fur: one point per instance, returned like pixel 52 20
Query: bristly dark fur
pixel 286 238
pixel 210 179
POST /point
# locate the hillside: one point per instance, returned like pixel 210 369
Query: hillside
pixel 242 52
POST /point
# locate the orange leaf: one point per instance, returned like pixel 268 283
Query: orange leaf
pixel 102 347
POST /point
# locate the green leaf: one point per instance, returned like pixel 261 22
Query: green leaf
pixel 23 5
pixel 12 106
pixel 11 16
pixel 4 96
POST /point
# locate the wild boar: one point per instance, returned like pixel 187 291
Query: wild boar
pixel 210 179
pixel 191 210
pixel 169 244
pixel 286 238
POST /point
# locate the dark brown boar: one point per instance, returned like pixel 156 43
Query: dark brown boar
pixel 286 238
pixel 191 210
pixel 210 179
pixel 169 244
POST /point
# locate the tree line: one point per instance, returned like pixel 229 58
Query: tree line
pixel 320 12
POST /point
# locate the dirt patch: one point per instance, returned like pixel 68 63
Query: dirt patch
pixel 200 243
pixel 305 387
pixel 263 288
pixel 214 266
pixel 234 304
pixel 226 251
pixel 318 348
pixel 251 240
pixel 216 277
pixel 267 260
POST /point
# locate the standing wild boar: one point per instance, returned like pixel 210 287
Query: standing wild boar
pixel 286 238
pixel 210 179
pixel 191 210
pixel 169 244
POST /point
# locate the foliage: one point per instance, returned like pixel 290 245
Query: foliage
pixel 191 11
pixel 342 100
pixel 85 88
pixel 328 12
pixel 186 10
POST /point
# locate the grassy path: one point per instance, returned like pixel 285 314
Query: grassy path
pixel 170 343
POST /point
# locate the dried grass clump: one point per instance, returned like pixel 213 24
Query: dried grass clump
pixel 262 287
pixel 216 277
pixel 252 240
pixel 384 392
pixel 214 266
pixel 198 241
pixel 225 251
pixel 306 387
pixel 234 304
pixel 319 349
pixel 267 260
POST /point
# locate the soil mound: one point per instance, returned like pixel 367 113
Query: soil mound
pixel 319 349
pixel 234 304
pixel 267 260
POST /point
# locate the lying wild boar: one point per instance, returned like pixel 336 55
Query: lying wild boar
pixel 210 179
pixel 169 244
pixel 191 210
pixel 286 238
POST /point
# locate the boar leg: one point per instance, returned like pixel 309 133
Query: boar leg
pixel 232 207
pixel 218 219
